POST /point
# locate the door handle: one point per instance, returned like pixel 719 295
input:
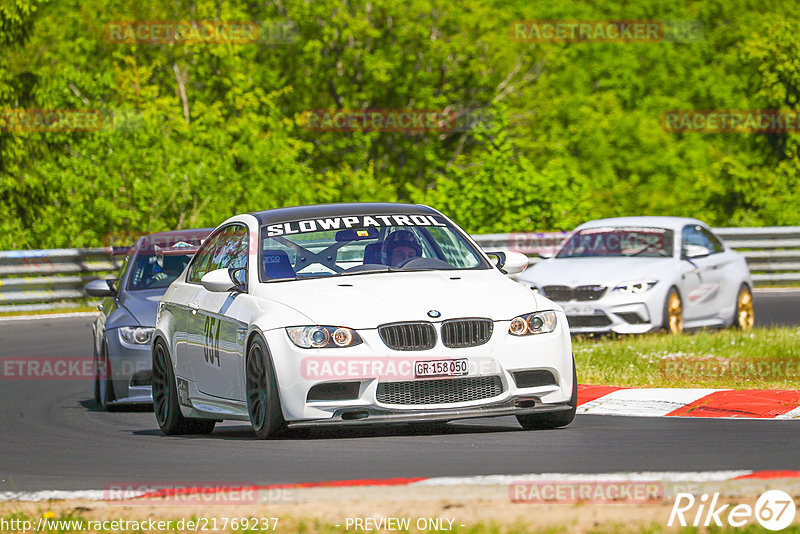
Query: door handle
pixel 194 306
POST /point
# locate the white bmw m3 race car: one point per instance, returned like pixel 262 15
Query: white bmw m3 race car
pixel 354 314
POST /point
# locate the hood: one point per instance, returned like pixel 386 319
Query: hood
pixel 601 271
pixel 368 300
pixel 143 304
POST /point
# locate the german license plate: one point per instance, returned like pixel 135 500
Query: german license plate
pixel 578 309
pixel 429 368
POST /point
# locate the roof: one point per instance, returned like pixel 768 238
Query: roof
pixel 297 213
pixel 191 236
pixel 672 223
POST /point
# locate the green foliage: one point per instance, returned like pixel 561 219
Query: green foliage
pixel 194 133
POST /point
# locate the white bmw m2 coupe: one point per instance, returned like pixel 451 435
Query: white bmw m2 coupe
pixel 355 314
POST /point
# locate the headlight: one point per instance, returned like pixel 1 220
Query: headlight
pixel 136 335
pixel 633 288
pixel 322 337
pixel 533 323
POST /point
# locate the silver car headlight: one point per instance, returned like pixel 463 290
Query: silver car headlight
pixel 533 323
pixel 323 337
pixel 136 335
pixel 636 287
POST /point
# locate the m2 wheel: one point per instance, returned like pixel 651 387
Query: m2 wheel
pixel 104 385
pixel 165 399
pixel 745 315
pixel 673 312
pixel 557 419
pixel 263 402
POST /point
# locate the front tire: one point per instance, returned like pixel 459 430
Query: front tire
pixel 104 385
pixel 165 399
pixel 263 401
pixel 673 312
pixel 548 421
pixel 745 315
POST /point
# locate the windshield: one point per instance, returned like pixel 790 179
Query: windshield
pixel 618 242
pixel 156 272
pixel 340 246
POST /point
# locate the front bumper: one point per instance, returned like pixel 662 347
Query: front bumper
pixel 615 312
pixel 373 416
pixel 131 370
pixel 501 357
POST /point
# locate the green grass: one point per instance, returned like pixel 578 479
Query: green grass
pixel 764 358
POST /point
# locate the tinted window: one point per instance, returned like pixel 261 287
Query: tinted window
pixel 227 249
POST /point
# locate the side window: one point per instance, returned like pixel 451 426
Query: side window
pixel 232 252
pixel 225 250
pixel 200 263
pixel 697 235
pixel 714 244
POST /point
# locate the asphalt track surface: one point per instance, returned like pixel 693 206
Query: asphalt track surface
pixel 54 436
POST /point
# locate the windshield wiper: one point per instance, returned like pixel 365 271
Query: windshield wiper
pixel 356 270
pixel 649 247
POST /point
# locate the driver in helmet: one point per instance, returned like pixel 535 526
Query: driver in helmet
pixel 399 246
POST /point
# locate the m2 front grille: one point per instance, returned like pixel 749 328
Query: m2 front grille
pixel 444 391
pixel 566 293
pixel 408 336
pixel 461 333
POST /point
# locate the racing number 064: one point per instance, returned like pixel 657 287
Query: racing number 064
pixel 211 343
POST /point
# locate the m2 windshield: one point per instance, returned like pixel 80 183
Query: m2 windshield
pixel 360 244
pixel 618 242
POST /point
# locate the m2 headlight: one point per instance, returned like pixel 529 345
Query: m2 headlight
pixel 136 335
pixel 533 323
pixel 323 337
pixel 636 287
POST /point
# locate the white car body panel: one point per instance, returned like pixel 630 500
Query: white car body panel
pixel 216 389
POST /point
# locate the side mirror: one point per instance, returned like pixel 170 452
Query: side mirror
pixel 695 251
pixel 99 288
pixel 510 262
pixel 218 281
pixel 546 255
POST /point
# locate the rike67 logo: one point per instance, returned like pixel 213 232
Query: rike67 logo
pixel 774 510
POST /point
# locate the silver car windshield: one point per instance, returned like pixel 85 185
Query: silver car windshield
pixel 619 242
pixel 342 246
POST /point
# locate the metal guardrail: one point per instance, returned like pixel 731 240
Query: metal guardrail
pixel 44 279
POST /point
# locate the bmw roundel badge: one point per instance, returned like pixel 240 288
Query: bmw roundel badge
pixel 434 314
